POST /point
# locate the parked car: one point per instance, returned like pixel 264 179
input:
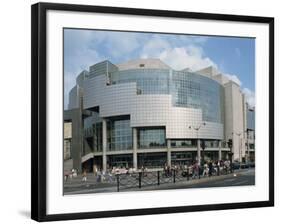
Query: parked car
pixel 252 164
pixel 235 165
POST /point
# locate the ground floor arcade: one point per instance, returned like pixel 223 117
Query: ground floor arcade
pixel 155 159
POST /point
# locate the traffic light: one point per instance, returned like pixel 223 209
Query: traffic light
pixel 229 143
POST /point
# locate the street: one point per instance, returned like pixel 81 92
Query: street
pixel 239 178
pixel 243 178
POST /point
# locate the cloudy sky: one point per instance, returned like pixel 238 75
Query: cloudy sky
pixel 235 57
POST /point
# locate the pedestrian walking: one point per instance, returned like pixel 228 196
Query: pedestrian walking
pixel 165 170
pixel 66 176
pixel 190 171
pixel 195 170
pixel 205 170
pixel 210 168
pixel 84 176
pixel 227 166
pixel 98 179
pixel 217 163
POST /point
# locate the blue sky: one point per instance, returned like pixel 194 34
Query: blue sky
pixel 233 56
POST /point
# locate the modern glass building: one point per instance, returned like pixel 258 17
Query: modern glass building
pixel 142 113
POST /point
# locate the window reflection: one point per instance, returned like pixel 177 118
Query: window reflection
pixel 149 138
pixel 119 135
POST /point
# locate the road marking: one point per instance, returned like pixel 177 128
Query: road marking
pixel 241 182
pixel 228 180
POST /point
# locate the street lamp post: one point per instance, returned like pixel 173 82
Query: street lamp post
pixel 230 154
pixel 197 128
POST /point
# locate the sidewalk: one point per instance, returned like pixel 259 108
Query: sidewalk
pixel 91 180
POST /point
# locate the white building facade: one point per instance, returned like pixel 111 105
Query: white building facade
pixel 142 113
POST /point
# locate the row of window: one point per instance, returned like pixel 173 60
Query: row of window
pixel 119 137
pixel 149 81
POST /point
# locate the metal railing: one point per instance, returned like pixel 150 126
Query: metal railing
pixel 150 178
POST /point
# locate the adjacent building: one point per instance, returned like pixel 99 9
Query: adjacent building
pixel 142 113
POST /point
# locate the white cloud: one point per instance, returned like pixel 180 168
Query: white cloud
pixel 179 52
pixel 234 78
pixel 250 96
pixel 153 47
pixel 184 40
pixel 190 56
pixel 198 39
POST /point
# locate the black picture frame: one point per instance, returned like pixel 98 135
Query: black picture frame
pixel 39 115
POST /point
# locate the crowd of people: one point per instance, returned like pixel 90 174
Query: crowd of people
pixel 71 174
pixel 193 171
pixel 214 168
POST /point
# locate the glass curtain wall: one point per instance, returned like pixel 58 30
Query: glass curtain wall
pixel 97 137
pixel 149 81
pixel 183 158
pixel 93 131
pixel 151 138
pixel 199 92
pixel 211 143
pixel 188 89
pixel 120 161
pixel 152 160
pixel 119 135
pixel 183 143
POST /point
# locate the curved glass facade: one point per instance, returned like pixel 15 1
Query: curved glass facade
pixel 149 81
pixel 188 89
pixel 199 92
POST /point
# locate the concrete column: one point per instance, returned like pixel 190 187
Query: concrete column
pixel 104 144
pixel 76 150
pixel 169 160
pixel 198 152
pixel 220 150
pixel 135 148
